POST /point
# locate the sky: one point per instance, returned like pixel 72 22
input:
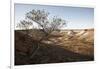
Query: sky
pixel 76 17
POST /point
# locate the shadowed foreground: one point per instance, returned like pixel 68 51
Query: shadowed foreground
pixel 47 53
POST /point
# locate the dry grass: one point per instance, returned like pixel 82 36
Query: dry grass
pixel 58 48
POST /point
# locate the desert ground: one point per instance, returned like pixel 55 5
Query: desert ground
pixel 68 45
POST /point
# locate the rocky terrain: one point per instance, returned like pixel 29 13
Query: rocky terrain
pixel 66 46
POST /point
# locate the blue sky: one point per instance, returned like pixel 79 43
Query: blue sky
pixel 77 17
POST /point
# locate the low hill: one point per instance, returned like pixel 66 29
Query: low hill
pixel 59 47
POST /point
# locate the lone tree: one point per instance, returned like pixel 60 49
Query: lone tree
pixel 46 24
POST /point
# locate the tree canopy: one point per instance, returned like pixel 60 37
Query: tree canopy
pixel 45 23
